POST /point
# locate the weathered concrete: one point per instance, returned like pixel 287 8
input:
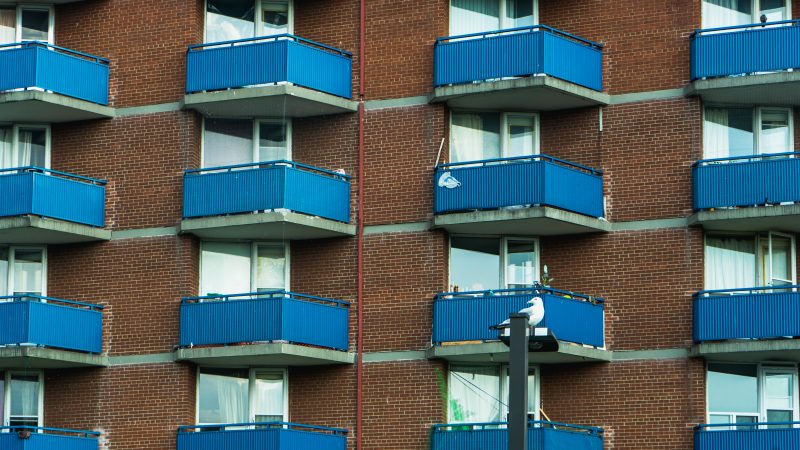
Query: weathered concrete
pixel 46 107
pixel 261 355
pixel 497 352
pixel 268 225
pixel 779 88
pixel 761 218
pixel 47 358
pixel 742 350
pixel 539 220
pixel 31 229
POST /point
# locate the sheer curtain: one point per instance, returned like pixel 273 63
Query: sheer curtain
pixel 5 148
pixel 223 396
pixel 475 395
pixel 730 263
pixel 474 137
pixel 725 13
pixel 474 16
pixel 716 137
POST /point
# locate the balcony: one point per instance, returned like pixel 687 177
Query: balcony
pixel 267 200
pixel 13 438
pixel 541 436
pixel 762 436
pixel 264 328
pixel 748 324
pixel 49 333
pixel 751 193
pixel 42 206
pixel 529 68
pixel 747 64
pixel 283 76
pixel 43 83
pixel 526 195
pixel 261 436
pixel 461 322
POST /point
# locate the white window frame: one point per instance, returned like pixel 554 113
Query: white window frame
pixel 503 255
pixel 15 141
pixel 51 16
pixel 7 394
pixel 11 259
pixel 755 7
pixel 768 258
pixel 504 134
pixel 503 21
pixel 257 22
pixel 757 114
pixel 251 392
pixel 504 385
pixel 253 262
pixel 256 138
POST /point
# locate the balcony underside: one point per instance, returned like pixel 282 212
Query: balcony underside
pixel 744 350
pixel 268 225
pixel 781 88
pixel 272 354
pixel 47 107
pixel 537 93
pixel 761 218
pixel 541 221
pixel 283 100
pixel 497 352
pixel 31 229
pixel 15 357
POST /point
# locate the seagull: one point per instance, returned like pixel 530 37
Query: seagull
pixel 535 311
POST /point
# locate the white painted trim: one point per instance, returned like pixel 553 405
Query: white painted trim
pixel 15 128
pixel 51 16
pixel 12 249
pixel 250 391
pixel 6 395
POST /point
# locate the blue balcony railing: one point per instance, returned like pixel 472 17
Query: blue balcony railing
pixel 760 436
pixel 746 181
pixel 51 322
pixel 261 436
pixel 541 436
pixel 520 181
pixel 53 194
pixel 267 60
pixel 467 316
pixel 38 65
pixel 264 316
pixel 246 188
pixel 38 438
pixel 745 49
pixel 518 52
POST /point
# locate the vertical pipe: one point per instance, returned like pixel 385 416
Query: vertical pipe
pixel 518 383
pixel 360 228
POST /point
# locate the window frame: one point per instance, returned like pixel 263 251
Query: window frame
pixel 51 26
pixel 757 117
pixel 258 22
pixel 11 271
pixel 758 237
pixel 6 394
pixel 503 256
pixel 503 386
pixel 755 7
pixel 256 137
pixel 504 134
pixel 251 392
pixel 15 128
pixel 503 19
pixel 253 265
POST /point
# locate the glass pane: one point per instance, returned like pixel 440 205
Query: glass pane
pixel 227 142
pixel 3 272
pixel 781 261
pixel 774 415
pixel 35 25
pixel 728 132
pixel 532 405
pixel 6 152
pixel 519 13
pixel 28 271
pixel 474 137
pixel 474 395
pixel 779 397
pixel 520 271
pixel 723 13
pixel 8 24
pixel 32 147
pixel 225 268
pixel 2 395
pixel 272 145
pixel 269 401
pixel 275 18
pixel 271 268
pixel 521 136
pixel 773 10
pixel 774 132
pixel 223 396
pixel 733 388
pixel 730 262
pixel 740 420
pixel 474 263
pixel 474 16
pixel 24 400
pixel 228 20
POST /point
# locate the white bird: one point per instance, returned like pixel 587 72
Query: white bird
pixel 535 311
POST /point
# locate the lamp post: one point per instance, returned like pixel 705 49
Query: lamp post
pixel 518 383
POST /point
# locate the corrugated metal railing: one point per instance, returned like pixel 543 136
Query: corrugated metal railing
pixel 40 438
pixel 747 313
pixel 267 60
pixel 262 436
pixel 757 436
pixel 746 180
pixel 467 316
pixel 494 435
pixel 51 322
pixel 54 194
pixel 33 64
pixel 518 181
pixel 518 52
pixel 245 188
pixel 745 49
pixel 263 317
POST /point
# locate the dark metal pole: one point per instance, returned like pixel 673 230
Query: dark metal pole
pixel 518 384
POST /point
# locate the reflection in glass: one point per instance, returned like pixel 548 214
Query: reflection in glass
pixel 474 263
pixel 520 270
pixel 227 142
pixel 269 393
pixel 28 271
pixel 24 400
pixel 228 20
pixel 35 25
pixel 225 268
pixel 271 268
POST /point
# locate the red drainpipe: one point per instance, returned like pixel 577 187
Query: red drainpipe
pixel 360 228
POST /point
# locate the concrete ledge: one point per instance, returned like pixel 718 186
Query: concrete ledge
pixel 265 101
pixel 47 107
pixel 758 218
pixel 47 358
pixel 269 225
pixel 538 93
pixel 272 354
pixel 497 352
pixel 539 220
pixel 750 350
pixel 779 88
pixel 31 229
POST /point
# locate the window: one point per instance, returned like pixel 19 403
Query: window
pixel 480 135
pixel 745 131
pixel 480 394
pixel 229 142
pixel 228 20
pixel 477 16
pixel 26 23
pixel 238 268
pixel 22 399
pixel 741 394
pixel 744 261
pixel 728 13
pixel 482 263
pixel 24 145
pixel 241 396
pixel 23 270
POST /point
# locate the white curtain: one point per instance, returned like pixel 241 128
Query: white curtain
pixel 730 263
pixel 716 136
pixel 774 132
pixel 725 13
pixel 223 398
pixel 3 273
pixel 271 268
pixel 474 16
pixel 24 397
pixel 5 148
pixel 225 268
pixel 474 137
pixel 269 399
pixel 474 395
